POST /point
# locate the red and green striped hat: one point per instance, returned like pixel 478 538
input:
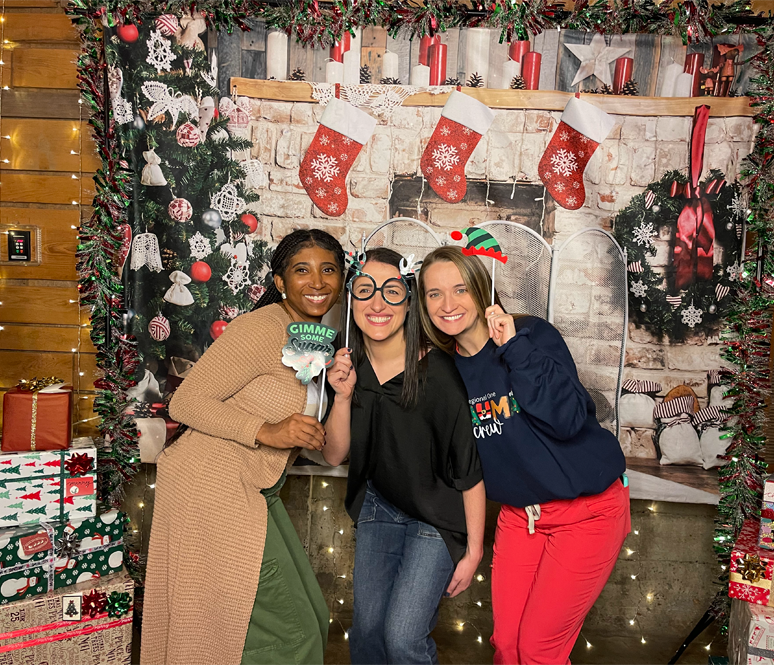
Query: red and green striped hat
pixel 480 243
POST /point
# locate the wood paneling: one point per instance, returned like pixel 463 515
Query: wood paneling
pixel 58 240
pixel 37 188
pixel 16 365
pixel 44 68
pixel 36 27
pixel 61 339
pixel 36 304
pixel 33 103
pixel 47 145
pixel 547 100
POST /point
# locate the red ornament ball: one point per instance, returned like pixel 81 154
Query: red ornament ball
pixel 216 113
pixel 159 328
pixel 200 271
pixel 180 210
pixel 250 222
pixel 217 328
pixel 188 135
pixel 128 33
pixel 167 24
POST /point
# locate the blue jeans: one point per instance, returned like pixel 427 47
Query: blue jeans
pixel 402 569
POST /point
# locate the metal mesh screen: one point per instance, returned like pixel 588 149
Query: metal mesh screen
pixel 588 306
pixel 523 282
pixel 406 236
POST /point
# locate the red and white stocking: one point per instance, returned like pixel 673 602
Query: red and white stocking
pixel 341 135
pixel 463 122
pixel 582 129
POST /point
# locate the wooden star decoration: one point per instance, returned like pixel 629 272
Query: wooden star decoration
pixel 595 59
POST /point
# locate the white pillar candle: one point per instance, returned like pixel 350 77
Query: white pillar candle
pixel 511 68
pixel 390 65
pixel 670 79
pixel 334 72
pixel 277 55
pixel 352 67
pixel 420 75
pixel 684 85
pixel 477 53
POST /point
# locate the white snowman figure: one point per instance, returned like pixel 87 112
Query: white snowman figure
pixel 4 540
pixel 86 577
pixel 94 541
pixel 116 559
pixel 64 563
pixel 17 586
pixel 109 517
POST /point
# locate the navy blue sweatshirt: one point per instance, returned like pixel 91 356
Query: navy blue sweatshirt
pixel 535 424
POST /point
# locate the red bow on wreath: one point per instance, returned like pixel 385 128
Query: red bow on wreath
pixel 78 464
pixel 695 236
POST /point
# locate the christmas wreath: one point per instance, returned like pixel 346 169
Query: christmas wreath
pixel 701 225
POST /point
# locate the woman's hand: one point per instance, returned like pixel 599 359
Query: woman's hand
pixel 342 376
pixel 463 574
pixel 501 325
pixel 295 431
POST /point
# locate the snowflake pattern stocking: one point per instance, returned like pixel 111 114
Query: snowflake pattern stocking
pixel 582 129
pixel 463 122
pixel 341 135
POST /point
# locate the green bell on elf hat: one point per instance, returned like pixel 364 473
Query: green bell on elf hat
pixel 480 243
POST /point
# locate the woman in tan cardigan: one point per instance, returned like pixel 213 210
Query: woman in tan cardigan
pixel 213 537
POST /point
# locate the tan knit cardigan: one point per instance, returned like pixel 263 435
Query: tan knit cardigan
pixel 209 521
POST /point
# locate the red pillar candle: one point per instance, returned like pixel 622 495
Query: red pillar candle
pixel 425 43
pixel 530 70
pixel 693 63
pixel 623 74
pixel 517 50
pixel 337 51
pixel 437 55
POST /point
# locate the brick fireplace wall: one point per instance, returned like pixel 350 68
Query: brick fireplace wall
pixel 637 152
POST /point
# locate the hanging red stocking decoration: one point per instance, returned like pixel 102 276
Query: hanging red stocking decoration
pixel 341 135
pixel 695 236
pixel 463 122
pixel 582 128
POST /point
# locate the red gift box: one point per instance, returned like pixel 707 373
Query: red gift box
pixel 37 415
pixel 751 568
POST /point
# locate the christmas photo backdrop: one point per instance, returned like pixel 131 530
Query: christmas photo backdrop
pixel 199 181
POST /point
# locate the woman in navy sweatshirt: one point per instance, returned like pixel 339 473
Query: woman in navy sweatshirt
pixel 546 459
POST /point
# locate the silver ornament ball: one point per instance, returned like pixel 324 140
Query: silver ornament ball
pixel 712 309
pixel 656 208
pixel 729 226
pixel 212 219
pixel 643 307
pixel 139 123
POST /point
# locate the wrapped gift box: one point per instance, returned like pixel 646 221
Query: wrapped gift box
pixel 45 486
pixel 751 634
pixel 39 559
pixel 751 568
pixel 86 624
pixel 37 416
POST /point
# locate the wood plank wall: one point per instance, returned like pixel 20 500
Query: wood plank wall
pixel 47 162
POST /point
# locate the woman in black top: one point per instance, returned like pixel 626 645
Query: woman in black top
pixel 415 486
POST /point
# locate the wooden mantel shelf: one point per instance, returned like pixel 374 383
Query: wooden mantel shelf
pixel 546 100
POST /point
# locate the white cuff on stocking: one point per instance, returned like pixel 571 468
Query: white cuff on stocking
pixel 468 112
pixel 345 119
pixel 587 119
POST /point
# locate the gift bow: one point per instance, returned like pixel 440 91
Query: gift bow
pixel 36 385
pixel 695 237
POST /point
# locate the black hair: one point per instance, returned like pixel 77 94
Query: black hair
pixel 416 340
pixel 287 248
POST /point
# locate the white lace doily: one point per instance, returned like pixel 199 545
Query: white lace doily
pixel 160 53
pixel 255 176
pixel 227 202
pixel 200 246
pixel 381 100
pixel 122 110
pixel 145 252
pixel 238 276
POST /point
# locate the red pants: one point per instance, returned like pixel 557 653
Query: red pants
pixel 544 584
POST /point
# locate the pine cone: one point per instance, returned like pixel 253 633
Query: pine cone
pixel 298 75
pixel 169 258
pixel 389 81
pixel 630 88
pixel 604 90
pixel 452 80
pixel 365 74
pixel 517 83
pixel 475 81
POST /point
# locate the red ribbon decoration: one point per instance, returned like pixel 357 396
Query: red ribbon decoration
pixel 93 603
pixel 78 464
pixel 695 237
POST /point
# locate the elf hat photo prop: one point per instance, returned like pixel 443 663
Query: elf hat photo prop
pixel 480 243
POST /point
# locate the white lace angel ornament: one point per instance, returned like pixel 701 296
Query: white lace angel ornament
pixel 151 172
pixel 192 25
pixel 122 108
pixel 238 275
pixel 178 294
pixel 145 252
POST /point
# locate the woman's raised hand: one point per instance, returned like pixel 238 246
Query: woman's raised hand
pixel 501 326
pixel 341 375
pixel 297 430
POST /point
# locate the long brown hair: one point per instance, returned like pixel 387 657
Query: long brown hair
pixel 414 335
pixel 477 281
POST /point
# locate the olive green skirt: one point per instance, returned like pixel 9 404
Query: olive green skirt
pixel 289 621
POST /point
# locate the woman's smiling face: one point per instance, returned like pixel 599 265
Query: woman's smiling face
pixel 450 306
pixel 376 318
pixel 312 283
